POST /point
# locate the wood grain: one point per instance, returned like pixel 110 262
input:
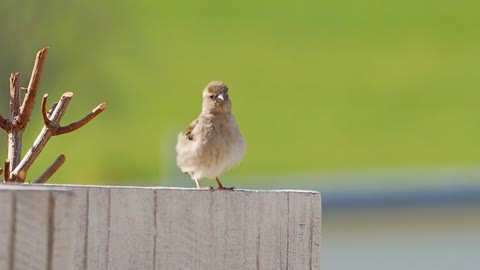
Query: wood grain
pixel 165 228
pixel 7 227
pixel 169 228
pixel 36 229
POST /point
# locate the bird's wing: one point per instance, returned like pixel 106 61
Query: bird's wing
pixel 188 132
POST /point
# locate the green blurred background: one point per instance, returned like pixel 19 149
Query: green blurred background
pixel 317 86
pixel 353 98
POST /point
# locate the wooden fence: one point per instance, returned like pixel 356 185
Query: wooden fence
pixel 55 227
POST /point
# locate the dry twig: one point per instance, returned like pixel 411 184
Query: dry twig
pixel 14 132
pixel 45 113
pixel 45 134
pixel 16 169
pixel 51 170
pixel 29 100
pixel 82 122
pixel 52 128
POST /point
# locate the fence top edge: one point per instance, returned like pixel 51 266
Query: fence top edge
pixel 31 187
pixel 178 188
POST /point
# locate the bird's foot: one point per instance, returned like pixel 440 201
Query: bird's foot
pixel 202 188
pixel 221 187
pixel 226 188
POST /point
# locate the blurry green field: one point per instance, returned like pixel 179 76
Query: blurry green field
pixel 316 86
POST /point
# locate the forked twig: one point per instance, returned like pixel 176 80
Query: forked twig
pixel 16 169
pixel 45 134
pixel 52 128
pixel 82 122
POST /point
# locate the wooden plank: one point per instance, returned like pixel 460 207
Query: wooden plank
pixel 92 230
pixel 236 230
pixel 62 229
pixel 32 230
pixel 38 227
pixel 116 227
pixel 175 228
pixel 271 232
pixel 182 222
pixel 132 229
pixel 7 223
pixel 81 218
pixel 246 231
pixel 98 228
pixel 304 226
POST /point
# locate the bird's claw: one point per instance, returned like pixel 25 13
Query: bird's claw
pixel 209 188
pixel 226 188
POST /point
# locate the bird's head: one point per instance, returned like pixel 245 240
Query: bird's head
pixel 215 98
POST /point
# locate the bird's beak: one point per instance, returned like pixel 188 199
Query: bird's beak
pixel 221 97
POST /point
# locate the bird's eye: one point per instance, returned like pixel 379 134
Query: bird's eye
pixel 212 97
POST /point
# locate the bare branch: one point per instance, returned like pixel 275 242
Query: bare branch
pixel 49 113
pixel 16 168
pixel 14 133
pixel 45 112
pixel 44 136
pixel 51 170
pixel 76 125
pixel 29 100
pixel 60 109
pixel 15 94
pixel 7 170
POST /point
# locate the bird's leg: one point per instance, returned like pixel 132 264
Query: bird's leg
pixel 200 187
pixel 220 186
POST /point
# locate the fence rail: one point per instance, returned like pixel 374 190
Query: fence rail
pixel 100 227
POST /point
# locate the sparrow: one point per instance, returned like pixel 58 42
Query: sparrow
pixel 213 143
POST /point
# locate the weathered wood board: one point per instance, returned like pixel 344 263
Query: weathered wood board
pixel 118 228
